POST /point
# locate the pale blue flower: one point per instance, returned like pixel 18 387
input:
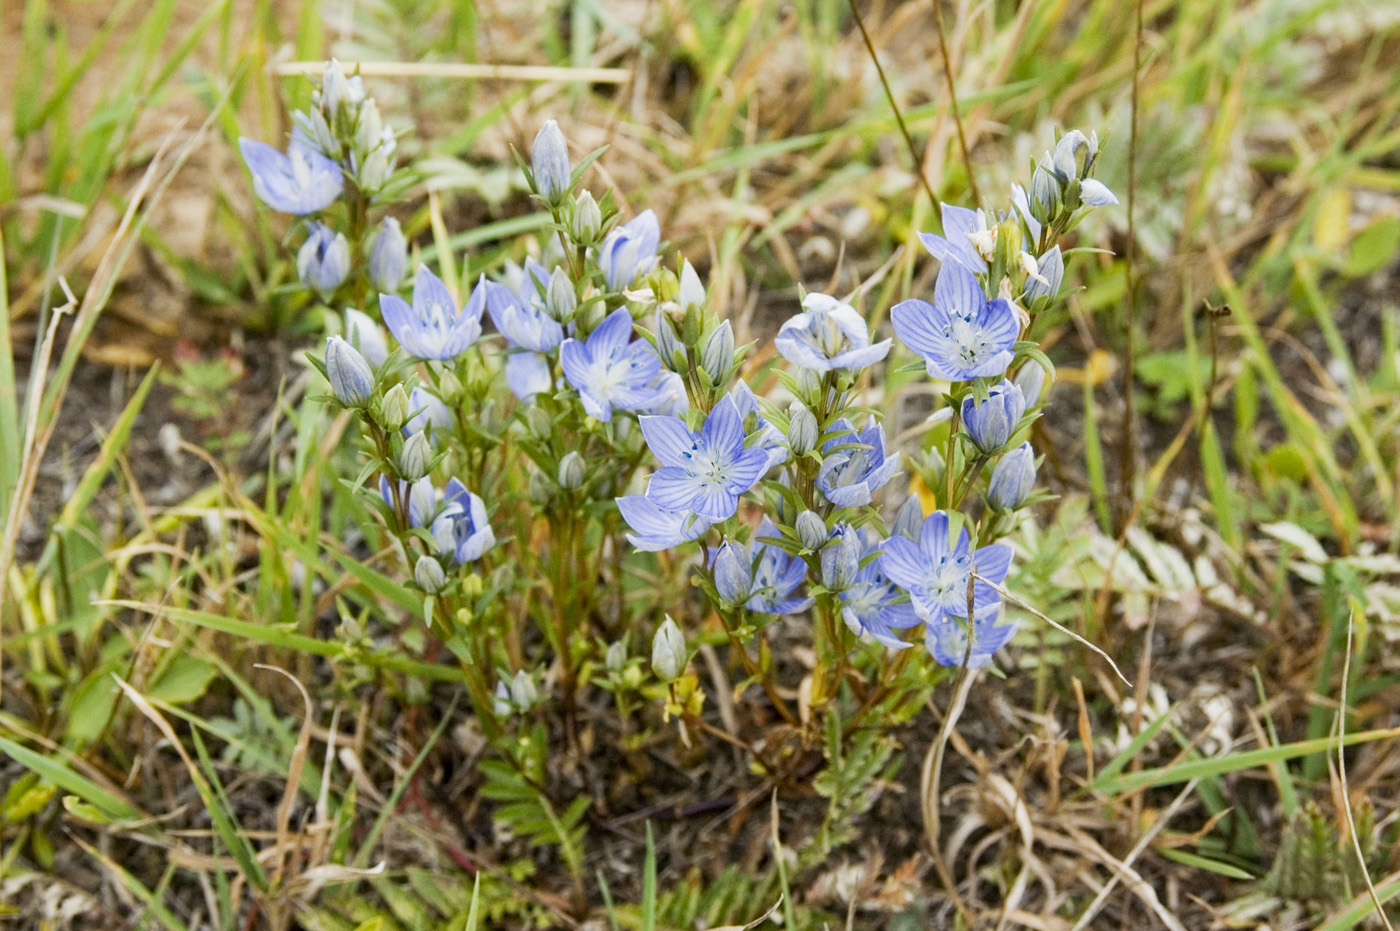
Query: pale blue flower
pixel 549 163
pixel 388 256
pixel 655 528
pixel 770 438
pixel 349 374
pixel 609 369
pixel 433 327
pixel 630 250
pixel 1050 273
pixel 961 335
pixel 323 261
pixel 1012 478
pixel 1094 193
pixel 935 571
pixel 990 423
pixel 960 224
pixel 733 576
pixel 668 395
pixel 1023 207
pixel 461 528
pixel 776 575
pixel 300 182
pixel 874 606
pixel 527 374
pixel 529 331
pixel 828 335
pixel 948 641
pixel 849 477
pixel 429 415
pixel 704 472
pixel 420 495
pixel 840 558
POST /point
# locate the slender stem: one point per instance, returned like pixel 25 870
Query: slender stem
pixel 1127 452
pixel 953 102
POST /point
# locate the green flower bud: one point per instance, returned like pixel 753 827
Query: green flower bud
pixel 802 430
pixel 571 471
pixel 668 653
pixel 428 573
pixel 587 220
pixel 415 457
pixel 393 409
pixel 523 693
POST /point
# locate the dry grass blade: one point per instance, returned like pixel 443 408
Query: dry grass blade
pixel 1342 775
pixel 931 776
pixel 1060 627
pixel 294 769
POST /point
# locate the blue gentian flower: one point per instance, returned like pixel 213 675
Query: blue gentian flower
pixel 948 641
pixel 421 497
pixel 430 413
pixel 776 576
pixel 732 573
pixel 770 438
pixel 302 181
pixel 990 423
pixel 1012 478
pixel 610 369
pixel 840 558
pixel 828 335
pixel 366 335
pixel 655 528
pixel 850 477
pixel 630 250
pixel 874 606
pixel 323 260
pixel 704 472
pixel 350 375
pixel 388 256
pixel 528 330
pixel 668 395
pixel 549 163
pixel 461 529
pixel 960 224
pixel 433 327
pixel 961 335
pixel 935 571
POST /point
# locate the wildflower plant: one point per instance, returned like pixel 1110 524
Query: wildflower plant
pixel 527 434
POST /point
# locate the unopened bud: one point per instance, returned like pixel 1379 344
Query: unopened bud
pixel 717 356
pixel 393 409
pixel 428 573
pixel 587 220
pixel 415 456
pixel 840 560
pixel 616 658
pixel 388 256
pixel 802 430
pixel 668 655
pixel 523 693
pixel 549 162
pixel 351 378
pixel 571 471
pixel 559 299
pixel 811 530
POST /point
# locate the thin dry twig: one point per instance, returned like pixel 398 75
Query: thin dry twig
pixel 1060 627
pixel 953 102
pixel 429 69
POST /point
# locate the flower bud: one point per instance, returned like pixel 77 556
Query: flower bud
pixel 840 559
pixel 717 356
pixel 1046 197
pixel 523 693
pixel 541 491
pixel 1031 381
pixel 802 430
pixel 668 654
pixel 909 520
pixel 336 90
pixel 811 530
pixel 351 378
pixel 587 221
pixel 365 335
pixel 450 389
pixel 668 344
pixel 323 260
pixel 369 129
pixel 1049 273
pixel 559 299
pixel 415 457
pixel 1066 165
pixel 393 409
pixel 1012 478
pixel 427 572
pixel 615 660
pixel 571 471
pixel 549 162
pixel 388 256
pixel 991 423
pixel 733 574
pixel 500 701
pixel 692 293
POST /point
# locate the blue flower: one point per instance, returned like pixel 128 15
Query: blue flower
pixel 1095 194
pixel 549 160
pixel 433 327
pixel 948 641
pixel 935 571
pixel 908 519
pixel 770 438
pixel 849 477
pixel 874 606
pixel 1050 272
pixel 630 250
pixel 840 558
pixel 430 413
pixel 302 181
pixel 1012 478
pixel 421 497
pixel 989 424
pixel 609 369
pixel 323 260
pixel 704 472
pixel 388 256
pixel 655 528
pixel 961 335
pixel 960 224
pixel 732 573
pixel 776 575
pixel 528 330
pixel 365 334
pixel 828 335
pixel 461 529
pixel 668 395
pixel 350 375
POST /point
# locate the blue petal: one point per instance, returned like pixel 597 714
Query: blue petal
pixel 668 438
pixel 958 292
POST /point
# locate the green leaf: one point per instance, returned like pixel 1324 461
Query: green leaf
pixel 186 679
